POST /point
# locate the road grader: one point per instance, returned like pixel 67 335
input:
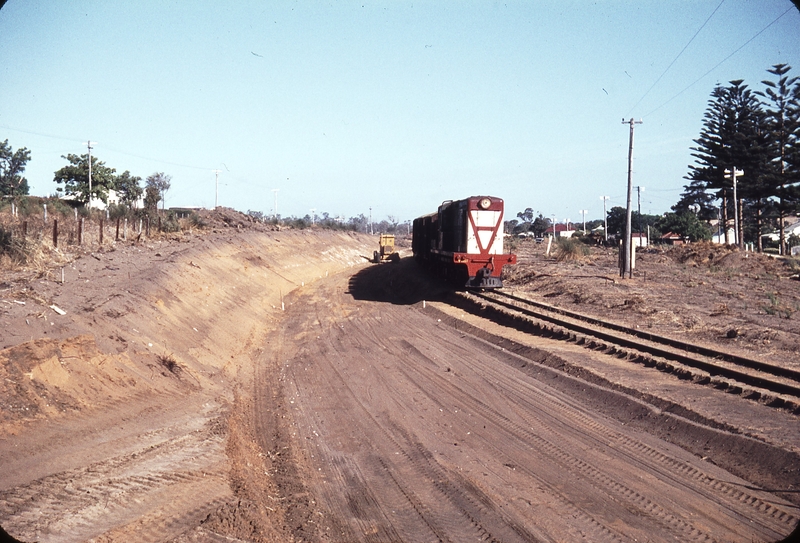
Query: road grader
pixel 385 252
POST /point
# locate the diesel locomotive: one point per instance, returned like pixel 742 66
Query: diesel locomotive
pixel 463 242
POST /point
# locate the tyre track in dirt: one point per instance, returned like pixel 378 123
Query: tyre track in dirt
pixel 599 437
pixel 540 422
pixel 410 431
pixel 160 478
pixel 660 466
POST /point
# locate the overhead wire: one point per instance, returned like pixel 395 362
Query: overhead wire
pixel 722 61
pixel 676 58
pixel 134 155
pixel 6 127
pixel 112 149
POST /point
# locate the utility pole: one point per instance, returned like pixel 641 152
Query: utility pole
pixel 276 203
pixel 554 226
pixel 626 243
pixel 370 222
pixel 89 145
pixel 733 175
pixel 605 216
pixel 216 188
pixel 584 212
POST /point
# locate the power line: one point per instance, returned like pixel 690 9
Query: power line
pixel 722 61
pixel 112 149
pixel 52 136
pixel 676 58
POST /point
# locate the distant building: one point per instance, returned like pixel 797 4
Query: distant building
pixel 562 231
pixel 639 240
pixel 671 238
pixel 97 203
pixel 183 212
pixel 719 237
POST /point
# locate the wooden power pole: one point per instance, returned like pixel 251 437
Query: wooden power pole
pixel 626 243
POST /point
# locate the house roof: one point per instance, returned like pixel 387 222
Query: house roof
pixel 560 228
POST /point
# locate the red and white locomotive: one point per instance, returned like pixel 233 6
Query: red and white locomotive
pixel 463 242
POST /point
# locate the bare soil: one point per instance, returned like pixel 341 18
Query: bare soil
pixel 744 302
pixel 244 384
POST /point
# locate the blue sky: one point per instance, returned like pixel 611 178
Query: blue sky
pixel 394 106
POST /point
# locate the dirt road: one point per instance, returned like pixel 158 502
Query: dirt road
pixel 358 413
pixel 404 429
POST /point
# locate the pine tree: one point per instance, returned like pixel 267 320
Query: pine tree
pixel 783 120
pixel 733 137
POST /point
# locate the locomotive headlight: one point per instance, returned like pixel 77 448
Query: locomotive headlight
pixel 484 203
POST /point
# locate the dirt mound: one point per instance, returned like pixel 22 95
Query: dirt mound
pixel 225 217
pixel 45 378
pixel 700 253
pixel 727 257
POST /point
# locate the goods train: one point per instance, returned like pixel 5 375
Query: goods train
pixel 463 242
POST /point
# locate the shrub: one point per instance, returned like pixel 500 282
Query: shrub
pixel 170 223
pixel 570 249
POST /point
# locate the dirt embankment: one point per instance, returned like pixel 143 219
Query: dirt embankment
pixel 128 368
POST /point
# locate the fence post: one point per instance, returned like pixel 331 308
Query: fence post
pixel 80 232
pixel 45 213
pixel 117 237
pixel 55 233
pixel 24 229
pixel 148 226
pixel 125 230
pixel 101 232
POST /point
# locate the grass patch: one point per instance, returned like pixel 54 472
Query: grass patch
pixel 570 249
pixel 774 307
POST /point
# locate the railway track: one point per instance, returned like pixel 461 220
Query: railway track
pixel 774 385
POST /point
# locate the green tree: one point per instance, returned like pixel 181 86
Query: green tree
pixel 783 124
pixel 734 136
pixel 157 186
pixel 128 189
pixel 510 227
pixel 12 166
pixel 75 178
pixel 527 216
pixel 532 221
pixel 616 217
pixel 540 226
pixel 685 224
pixel 151 198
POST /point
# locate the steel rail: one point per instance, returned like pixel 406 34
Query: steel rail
pixel 595 330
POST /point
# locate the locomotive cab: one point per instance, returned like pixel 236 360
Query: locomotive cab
pixel 466 241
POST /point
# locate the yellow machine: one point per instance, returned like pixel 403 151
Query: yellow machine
pixel 385 252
